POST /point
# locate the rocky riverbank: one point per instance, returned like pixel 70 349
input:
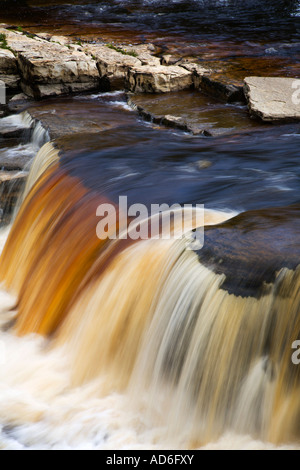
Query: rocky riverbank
pixel 36 67
pixel 42 66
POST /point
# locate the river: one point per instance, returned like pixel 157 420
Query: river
pixel 140 345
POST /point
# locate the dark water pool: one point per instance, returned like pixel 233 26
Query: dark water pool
pixel 255 169
pixel 253 35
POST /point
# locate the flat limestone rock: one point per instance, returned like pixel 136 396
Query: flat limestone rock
pixel 161 79
pixel 273 98
pixel 198 72
pixel 62 40
pixel 143 52
pixel 44 65
pixel 113 66
pixel 148 59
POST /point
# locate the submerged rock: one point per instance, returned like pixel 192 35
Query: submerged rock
pixel 18 102
pixel 273 98
pixel 194 112
pixel 251 249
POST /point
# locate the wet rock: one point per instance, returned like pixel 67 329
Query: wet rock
pixel 11 186
pixel 112 65
pixel 18 102
pixel 194 112
pixel 161 79
pixel 98 118
pixel 203 164
pixel 252 248
pixel 271 50
pixel 213 83
pixel 17 163
pixel 10 177
pixel 273 98
pixel 12 132
pixel 222 88
pixel 175 122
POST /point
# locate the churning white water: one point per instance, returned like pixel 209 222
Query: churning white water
pixel 40 410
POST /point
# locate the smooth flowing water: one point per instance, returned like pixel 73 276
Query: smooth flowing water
pixel 147 344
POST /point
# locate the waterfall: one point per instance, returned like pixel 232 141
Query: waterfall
pixel 151 318
pixel 33 137
pixel 46 157
pixel 39 134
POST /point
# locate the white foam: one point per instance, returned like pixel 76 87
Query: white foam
pixel 16 120
pixel 40 410
pixel 121 104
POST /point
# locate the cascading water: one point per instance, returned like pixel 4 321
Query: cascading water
pixel 31 138
pixel 145 319
pixel 130 344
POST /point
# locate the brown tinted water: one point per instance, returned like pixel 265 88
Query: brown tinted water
pixel 255 37
pixel 166 347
